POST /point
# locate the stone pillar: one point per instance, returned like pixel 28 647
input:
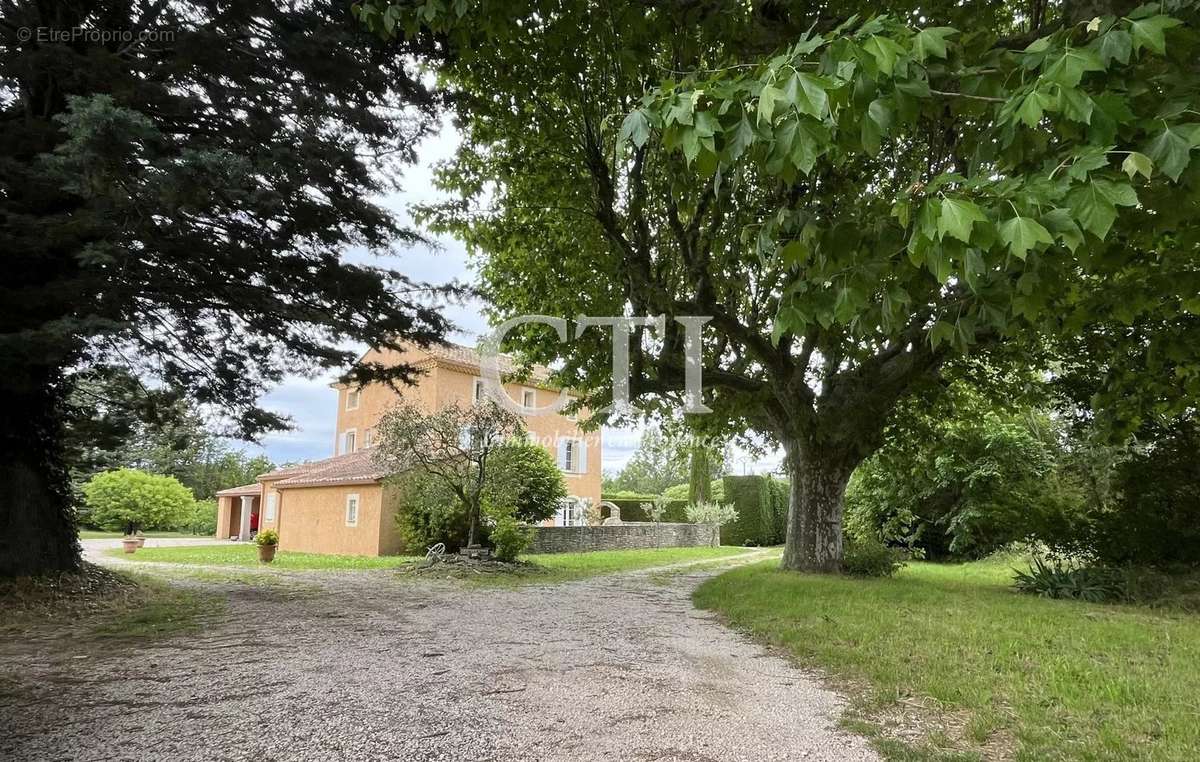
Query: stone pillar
pixel 247 505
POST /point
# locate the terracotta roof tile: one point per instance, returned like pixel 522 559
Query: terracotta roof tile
pixel 353 468
pixel 245 489
pixel 466 356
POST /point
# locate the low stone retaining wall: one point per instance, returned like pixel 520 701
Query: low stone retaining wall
pixel 624 537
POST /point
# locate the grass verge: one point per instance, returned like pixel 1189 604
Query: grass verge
pixel 564 567
pixel 949 662
pixel 102 603
pixel 246 555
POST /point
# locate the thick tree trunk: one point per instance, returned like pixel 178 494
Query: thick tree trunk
pixel 37 527
pixel 814 526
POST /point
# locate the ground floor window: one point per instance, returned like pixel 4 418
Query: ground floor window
pixel 570 513
pixel 351 510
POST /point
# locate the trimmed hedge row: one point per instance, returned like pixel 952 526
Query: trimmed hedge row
pixel 762 506
pixel 631 509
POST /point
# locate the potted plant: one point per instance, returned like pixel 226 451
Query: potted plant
pixel 141 539
pixel 130 543
pixel 267 541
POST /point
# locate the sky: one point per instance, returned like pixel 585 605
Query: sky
pixel 310 402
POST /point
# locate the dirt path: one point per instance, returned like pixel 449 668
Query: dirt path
pixel 375 667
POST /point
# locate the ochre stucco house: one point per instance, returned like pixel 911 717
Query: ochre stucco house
pixel 342 505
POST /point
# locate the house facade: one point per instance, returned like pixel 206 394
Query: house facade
pixel 343 505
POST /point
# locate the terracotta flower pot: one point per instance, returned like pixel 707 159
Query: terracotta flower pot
pixel 266 553
pixel 130 544
pixel 141 541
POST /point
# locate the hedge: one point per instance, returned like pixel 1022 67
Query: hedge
pixel 762 505
pixel 631 508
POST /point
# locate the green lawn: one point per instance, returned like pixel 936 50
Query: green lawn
pixel 554 567
pixel 1044 679
pixel 241 554
pixel 562 567
pixel 95 534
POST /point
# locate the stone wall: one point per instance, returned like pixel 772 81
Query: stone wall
pixel 623 537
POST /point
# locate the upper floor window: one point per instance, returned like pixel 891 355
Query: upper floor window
pixel 572 456
pixel 528 399
pixel 477 390
pixel 352 396
pixel 369 438
pixel 349 441
pixel 352 510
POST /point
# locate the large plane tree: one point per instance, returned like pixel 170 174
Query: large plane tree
pixel 178 182
pixel 855 200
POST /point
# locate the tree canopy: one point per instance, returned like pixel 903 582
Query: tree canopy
pixel 176 200
pixel 452 446
pixel 855 200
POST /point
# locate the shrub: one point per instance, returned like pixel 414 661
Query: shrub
pixel 761 513
pixel 962 486
pixel 708 512
pixel 200 519
pixel 525 476
pixel 870 557
pixel 521 475
pixel 267 537
pixel 128 500
pixel 510 537
pixel 1154 519
pixel 1059 579
pixel 656 509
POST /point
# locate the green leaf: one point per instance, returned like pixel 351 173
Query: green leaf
pixel 1148 33
pixel 931 42
pixel 1137 163
pixel 1069 69
pixel 1076 105
pixel 1023 234
pixel 973 267
pixel 941 332
pixel 807 94
pixel 636 128
pixel 1062 224
pixel 1115 45
pixel 849 299
pixel 1030 111
pixel 1093 209
pixel 1170 151
pixel 875 125
pixel 957 218
pixel 767 98
pixel 886 51
pixel 743 136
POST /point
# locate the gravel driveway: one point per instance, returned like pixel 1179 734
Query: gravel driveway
pixel 371 666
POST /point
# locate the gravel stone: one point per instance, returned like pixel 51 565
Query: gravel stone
pixel 374 666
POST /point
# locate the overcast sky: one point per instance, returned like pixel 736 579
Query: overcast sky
pixel 312 404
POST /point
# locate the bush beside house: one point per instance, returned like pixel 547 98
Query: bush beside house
pixel 522 484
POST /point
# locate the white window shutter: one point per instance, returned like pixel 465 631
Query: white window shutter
pixel 581 458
